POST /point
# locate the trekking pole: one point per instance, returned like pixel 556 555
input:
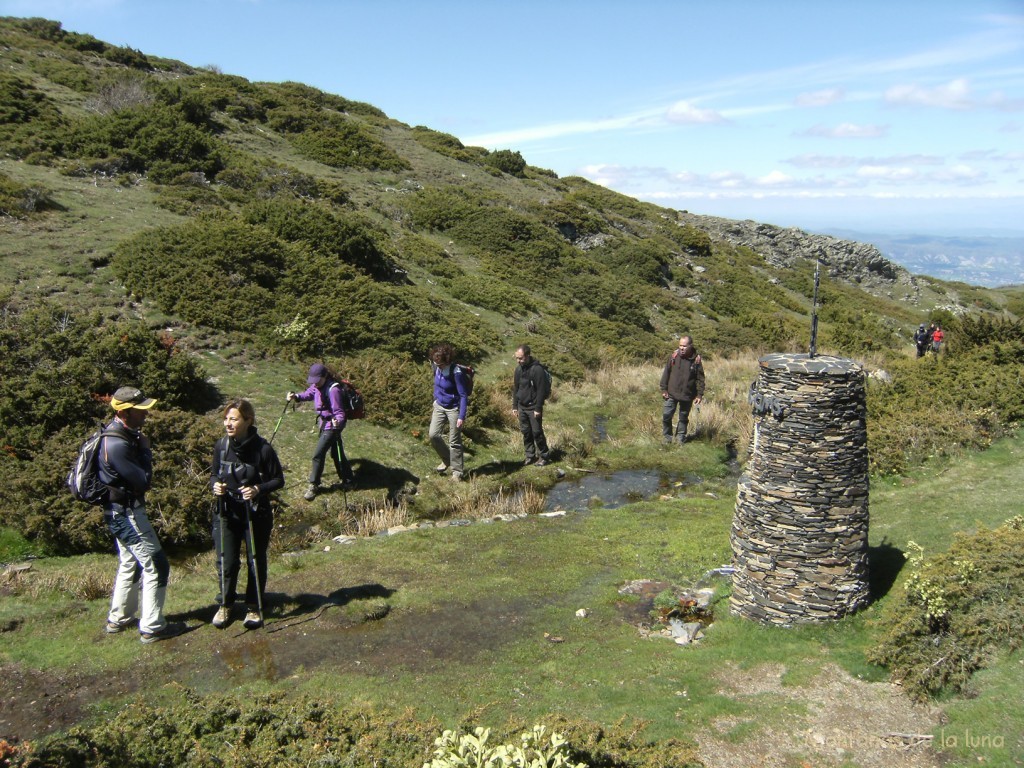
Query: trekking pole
pixel 219 506
pixel 344 490
pixel 278 425
pixel 250 546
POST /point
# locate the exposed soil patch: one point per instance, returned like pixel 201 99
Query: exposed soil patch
pixel 837 720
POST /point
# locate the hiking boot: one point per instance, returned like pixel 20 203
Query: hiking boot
pixel 169 630
pixel 528 461
pixel 541 462
pixel 252 619
pixel 682 439
pixel 311 492
pixel 222 617
pixel 114 627
pixel 348 485
pixel 456 476
pixel 441 469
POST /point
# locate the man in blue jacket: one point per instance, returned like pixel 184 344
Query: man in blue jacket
pixel 126 467
pixel 451 399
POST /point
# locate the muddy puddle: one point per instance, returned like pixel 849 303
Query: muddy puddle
pixel 614 489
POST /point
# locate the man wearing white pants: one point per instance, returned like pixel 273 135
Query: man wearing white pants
pixel 126 467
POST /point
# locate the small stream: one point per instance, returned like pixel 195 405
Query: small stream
pixel 614 489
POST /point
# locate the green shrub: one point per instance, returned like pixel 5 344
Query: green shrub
pixel 506 161
pixel 18 200
pixel 440 208
pixel 936 407
pixel 56 369
pixel 446 144
pixel 343 143
pixel 155 139
pixel 214 270
pixel 471 750
pixel 349 237
pixel 29 120
pixel 428 255
pixel 492 294
pixel 958 611
pixel 188 200
pixel 245 730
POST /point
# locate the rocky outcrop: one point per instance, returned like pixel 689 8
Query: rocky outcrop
pixel 847 260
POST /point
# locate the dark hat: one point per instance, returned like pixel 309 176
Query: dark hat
pixel 130 397
pixel 315 372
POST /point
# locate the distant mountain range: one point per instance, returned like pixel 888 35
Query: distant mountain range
pixel 985 261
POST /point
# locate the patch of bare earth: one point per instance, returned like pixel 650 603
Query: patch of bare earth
pixel 835 720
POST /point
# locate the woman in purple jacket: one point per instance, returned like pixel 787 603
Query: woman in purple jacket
pixel 325 392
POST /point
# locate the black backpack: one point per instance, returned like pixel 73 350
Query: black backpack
pixel 468 374
pixel 84 478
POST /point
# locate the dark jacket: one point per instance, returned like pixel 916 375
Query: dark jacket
pixel 529 387
pixel 450 388
pixel 125 464
pixel 248 461
pixel 683 377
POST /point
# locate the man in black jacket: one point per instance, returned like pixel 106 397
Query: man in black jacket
pixel 126 467
pixel 529 391
pixel 682 385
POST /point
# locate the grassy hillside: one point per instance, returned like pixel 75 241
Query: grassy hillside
pixel 206 237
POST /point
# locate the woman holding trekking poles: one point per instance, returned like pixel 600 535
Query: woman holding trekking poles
pixel 326 393
pixel 245 472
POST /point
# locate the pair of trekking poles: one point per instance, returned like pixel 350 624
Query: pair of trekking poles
pixel 250 539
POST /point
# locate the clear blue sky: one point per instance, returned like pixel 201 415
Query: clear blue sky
pixel 903 115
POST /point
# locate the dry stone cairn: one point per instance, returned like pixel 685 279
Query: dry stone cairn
pixel 800 529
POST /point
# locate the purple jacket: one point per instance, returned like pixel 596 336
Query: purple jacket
pixel 450 388
pixel 327 401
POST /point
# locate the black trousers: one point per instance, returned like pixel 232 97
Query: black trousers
pixel 230 532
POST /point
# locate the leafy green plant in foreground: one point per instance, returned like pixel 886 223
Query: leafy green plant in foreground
pixel 470 750
pixel 958 611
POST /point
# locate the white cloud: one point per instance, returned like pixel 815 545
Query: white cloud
pixel 686 113
pixel 848 131
pixel 887 173
pixel 955 94
pixel 820 98
pixel 822 161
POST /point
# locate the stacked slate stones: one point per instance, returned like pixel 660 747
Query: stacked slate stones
pixel 800 529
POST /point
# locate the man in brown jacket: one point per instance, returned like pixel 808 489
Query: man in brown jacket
pixel 682 385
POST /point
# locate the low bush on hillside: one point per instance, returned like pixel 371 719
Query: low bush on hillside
pixel 18 200
pixel 506 161
pixel 342 143
pixel 351 238
pixel 214 270
pixel 57 371
pixel 965 398
pixel 275 729
pixel 958 612
pixel 429 255
pixel 29 119
pixel 447 145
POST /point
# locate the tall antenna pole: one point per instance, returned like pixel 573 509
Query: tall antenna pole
pixel 814 305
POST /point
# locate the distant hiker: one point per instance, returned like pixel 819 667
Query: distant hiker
pixel 923 339
pixel 937 338
pixel 682 386
pixel 451 399
pixel 325 392
pixel 245 471
pixel 126 467
pixel 530 388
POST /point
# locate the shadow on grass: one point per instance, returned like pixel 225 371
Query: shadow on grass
pixel 885 562
pixel 395 480
pixel 310 606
